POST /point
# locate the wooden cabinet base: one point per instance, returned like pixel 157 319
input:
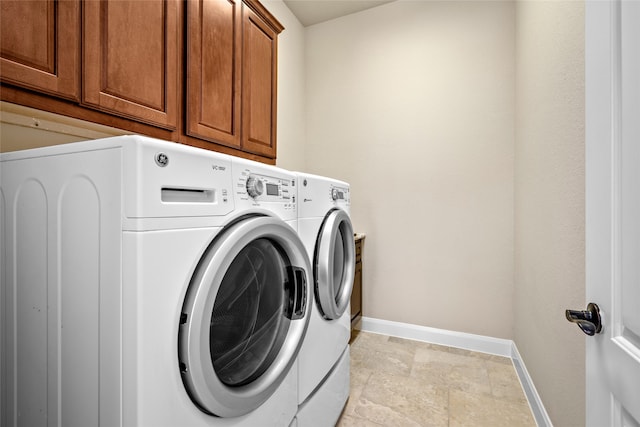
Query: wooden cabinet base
pixel 65 108
pixel 356 293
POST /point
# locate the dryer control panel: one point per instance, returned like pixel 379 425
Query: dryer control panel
pixel 319 194
pixel 339 194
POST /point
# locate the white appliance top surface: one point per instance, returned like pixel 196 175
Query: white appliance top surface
pixel 321 194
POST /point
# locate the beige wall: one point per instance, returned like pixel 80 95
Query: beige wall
pixel 413 104
pixel 549 202
pixel 291 88
pixel 468 176
pixel 22 128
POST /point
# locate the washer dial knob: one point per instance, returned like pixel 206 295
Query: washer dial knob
pixel 255 187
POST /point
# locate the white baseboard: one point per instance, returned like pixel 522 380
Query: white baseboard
pixel 480 343
pixel 483 344
pixel 539 412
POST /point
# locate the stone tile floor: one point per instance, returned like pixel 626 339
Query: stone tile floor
pixel 398 382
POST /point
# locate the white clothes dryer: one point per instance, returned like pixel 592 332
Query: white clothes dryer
pixel 147 283
pixel 324 225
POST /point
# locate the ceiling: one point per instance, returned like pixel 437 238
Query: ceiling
pixel 311 12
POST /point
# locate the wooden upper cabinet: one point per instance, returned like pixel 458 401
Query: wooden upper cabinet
pixel 131 59
pixel 259 82
pixel 40 45
pixel 231 74
pixel 200 72
pixel 214 38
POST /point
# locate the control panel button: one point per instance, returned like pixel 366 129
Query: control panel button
pixel 255 187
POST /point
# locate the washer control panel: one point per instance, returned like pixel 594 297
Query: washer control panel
pixel 264 188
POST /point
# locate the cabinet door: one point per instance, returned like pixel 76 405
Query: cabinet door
pixel 214 38
pixel 356 293
pixel 259 87
pixel 40 45
pixel 131 59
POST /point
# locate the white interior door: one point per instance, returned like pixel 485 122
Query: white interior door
pixel 613 210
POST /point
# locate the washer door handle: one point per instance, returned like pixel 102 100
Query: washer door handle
pixel 297 285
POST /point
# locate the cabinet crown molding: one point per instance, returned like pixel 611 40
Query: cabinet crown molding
pixel 262 11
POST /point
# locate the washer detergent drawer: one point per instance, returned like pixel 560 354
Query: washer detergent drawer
pixel 172 180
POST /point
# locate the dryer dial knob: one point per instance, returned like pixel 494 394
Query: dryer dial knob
pixel 255 187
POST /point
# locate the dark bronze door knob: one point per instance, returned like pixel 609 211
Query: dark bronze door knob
pixel 588 320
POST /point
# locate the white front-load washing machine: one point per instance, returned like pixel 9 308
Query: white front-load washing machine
pixel 324 225
pixel 147 283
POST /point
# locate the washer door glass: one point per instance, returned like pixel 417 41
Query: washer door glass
pixel 250 316
pixel 334 263
pixel 244 316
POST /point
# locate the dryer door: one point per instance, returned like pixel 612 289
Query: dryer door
pixel 244 316
pixel 334 264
